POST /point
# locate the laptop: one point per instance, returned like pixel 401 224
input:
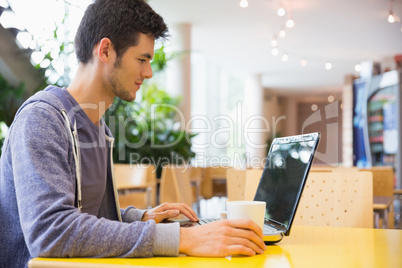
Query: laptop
pixel 282 182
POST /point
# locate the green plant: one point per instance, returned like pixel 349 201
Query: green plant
pixel 160 59
pixel 148 131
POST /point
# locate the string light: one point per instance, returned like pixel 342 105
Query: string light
pixel 331 98
pixel 243 3
pixel 282 33
pixel 358 68
pixel 314 107
pixel 391 18
pixel 290 23
pixel 328 66
pixel 281 12
pixel 274 42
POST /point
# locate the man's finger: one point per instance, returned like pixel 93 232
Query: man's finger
pixel 168 214
pixel 184 209
pixel 240 249
pixel 246 224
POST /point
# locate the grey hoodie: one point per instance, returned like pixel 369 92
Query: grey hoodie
pixel 43 186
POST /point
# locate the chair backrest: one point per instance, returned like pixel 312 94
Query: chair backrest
pixel 332 169
pixel 151 179
pixel 127 174
pixel 211 174
pixel 321 168
pixel 235 183
pixel 197 174
pixel 136 175
pixel 175 185
pixel 332 199
pixel 253 177
pixel 383 180
pixel 242 184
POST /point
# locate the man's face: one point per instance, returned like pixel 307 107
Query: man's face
pixel 126 78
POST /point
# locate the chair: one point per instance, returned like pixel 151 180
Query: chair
pixel 383 180
pixel 242 184
pixel 332 169
pixel 330 199
pixel 383 186
pixel 253 177
pixel 235 184
pixel 175 185
pixel 196 177
pixel 398 214
pixel 321 169
pixel 136 185
pixel 214 183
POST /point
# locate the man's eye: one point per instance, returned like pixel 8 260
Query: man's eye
pixel 142 60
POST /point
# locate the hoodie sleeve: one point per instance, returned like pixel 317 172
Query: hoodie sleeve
pixel 45 189
pixel 131 214
pixel 167 236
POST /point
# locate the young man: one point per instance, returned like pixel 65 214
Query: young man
pixel 57 194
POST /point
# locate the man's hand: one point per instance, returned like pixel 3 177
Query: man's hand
pixel 169 210
pixel 222 238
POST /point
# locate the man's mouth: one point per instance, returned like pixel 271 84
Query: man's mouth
pixel 138 85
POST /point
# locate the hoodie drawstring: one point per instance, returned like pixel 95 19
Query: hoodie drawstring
pixel 74 140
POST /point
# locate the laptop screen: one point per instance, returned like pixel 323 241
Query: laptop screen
pixel 284 175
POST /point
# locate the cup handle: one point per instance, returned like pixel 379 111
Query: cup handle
pixel 223 215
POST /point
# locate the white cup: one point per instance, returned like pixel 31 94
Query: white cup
pixel 253 210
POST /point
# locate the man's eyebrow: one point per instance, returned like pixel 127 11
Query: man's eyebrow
pixel 147 55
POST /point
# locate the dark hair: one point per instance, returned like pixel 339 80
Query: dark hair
pixel 119 20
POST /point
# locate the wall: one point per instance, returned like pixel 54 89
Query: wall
pixel 327 120
pixel 274 111
pixel 296 117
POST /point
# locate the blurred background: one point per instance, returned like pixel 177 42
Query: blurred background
pixel 239 73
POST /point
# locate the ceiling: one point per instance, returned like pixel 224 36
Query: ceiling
pixel 344 32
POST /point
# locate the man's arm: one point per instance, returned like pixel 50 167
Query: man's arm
pixel 159 213
pixel 217 239
pixel 45 190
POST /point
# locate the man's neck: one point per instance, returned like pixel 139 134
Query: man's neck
pixel 88 90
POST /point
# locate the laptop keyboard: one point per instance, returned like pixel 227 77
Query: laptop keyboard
pixel 206 221
pixel 269 230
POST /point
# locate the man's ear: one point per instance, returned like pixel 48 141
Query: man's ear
pixel 105 50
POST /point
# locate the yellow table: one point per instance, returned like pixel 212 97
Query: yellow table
pixel 305 247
